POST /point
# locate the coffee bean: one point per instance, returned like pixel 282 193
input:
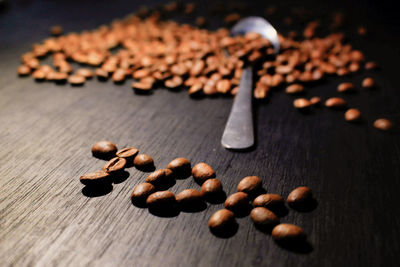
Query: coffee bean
pixel 143 161
pixel 115 165
pixel 181 167
pixel 161 199
pixel 76 79
pixel 202 172
pixel 160 177
pixel 301 103
pixel 354 67
pixel 85 72
pixel 286 232
pixel 269 201
pixel 345 87
pixel 294 89
pixel 299 197
pixel 383 124
pixel 142 191
pixel 335 102
pixel 104 150
pixel 142 73
pixel 101 74
pixel 56 30
pixel 221 219
pixel 371 65
pixel 223 86
pixel 250 185
pixel 141 86
pixel 352 114
pixel 211 188
pixel 174 82
pixel 197 68
pixel 315 100
pixel 368 83
pixel 23 70
pixel 97 178
pixel 189 197
pixel 263 217
pixel 127 153
pixel 39 74
pixel 237 201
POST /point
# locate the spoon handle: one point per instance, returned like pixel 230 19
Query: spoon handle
pixel 239 133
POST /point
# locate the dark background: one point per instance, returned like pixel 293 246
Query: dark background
pixel 46 132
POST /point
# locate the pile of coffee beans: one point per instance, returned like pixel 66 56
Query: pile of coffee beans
pixel 155 53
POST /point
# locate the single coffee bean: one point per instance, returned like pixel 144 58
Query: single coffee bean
pixel 211 188
pixel 119 76
pixel 97 178
pixel 301 103
pixel 383 124
pixel 352 114
pixel 128 153
pixel 161 199
pixel 221 219
pixel 104 150
pixel 371 65
pixel 368 83
pixel 263 217
pixel 299 197
pixel 335 102
pixel 115 165
pixel 143 161
pixel 202 172
pixel 189 197
pixel 160 177
pixel 294 89
pixel 237 201
pixel 249 184
pixel 180 166
pixel 76 79
pixel 315 100
pixel 174 82
pixel 56 30
pixel 286 232
pixel 141 86
pixel 142 191
pixel 85 72
pixel 39 74
pixel 223 86
pixel 345 87
pixel 354 67
pixel 270 201
pixel 101 74
pixel 23 70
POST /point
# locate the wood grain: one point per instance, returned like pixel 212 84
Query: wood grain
pixel 47 131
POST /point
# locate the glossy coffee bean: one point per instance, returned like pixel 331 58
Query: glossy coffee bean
pixel 301 103
pixel 211 188
pixel 299 197
pixel 286 232
pixel 315 100
pixel 250 184
pixel 161 199
pixel 263 217
pixel 335 102
pixel 160 177
pixel 345 87
pixel 352 114
pixel 202 172
pixel 143 161
pixel 236 201
pixel 383 124
pixel 294 89
pixel 23 70
pixel 142 191
pixel 104 150
pixel 128 153
pixel 189 197
pixel 180 166
pixel 76 79
pixel 115 165
pixel 368 82
pixel 269 201
pixel 97 178
pixel 221 220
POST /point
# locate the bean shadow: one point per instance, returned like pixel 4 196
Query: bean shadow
pixel 307 206
pixel 217 198
pixel 139 203
pixel 227 232
pixel 97 191
pixel 165 212
pixel 165 185
pixel 301 247
pixel 193 207
pixel 180 175
pixel 148 168
pixel 243 211
pixel 120 177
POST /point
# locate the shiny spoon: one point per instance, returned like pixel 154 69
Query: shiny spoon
pixel 239 131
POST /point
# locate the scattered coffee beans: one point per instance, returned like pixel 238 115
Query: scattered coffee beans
pixel 115 165
pixel 286 232
pixel 352 114
pixel 211 188
pixel 161 199
pixel 299 197
pixel 237 201
pixel 368 83
pixel 383 124
pixel 335 102
pixel 263 217
pixel 221 220
pixel 189 197
pixel 142 191
pixel 143 161
pixel 104 150
pixel 202 172
pixel 249 185
pixel 269 201
pixel 97 178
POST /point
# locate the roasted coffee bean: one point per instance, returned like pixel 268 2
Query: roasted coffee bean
pixel 101 74
pixel 263 217
pixel 181 167
pixel 56 30
pixel 23 70
pixel 142 191
pixel 269 201
pixel 142 73
pixel 143 161
pixel 371 65
pixel 200 21
pixel 174 82
pixel 315 100
pixel 294 89
pixel 223 86
pixel 85 72
pixel 368 83
pixel 39 74
pixel 161 200
pixel 236 201
pixel 160 177
pixel 202 172
pixel 250 185
pixel 354 67
pixel 141 86
pixel 335 102
pixel 197 68
pixel 115 165
pixel 104 149
pixel 352 114
pixel 286 232
pixel 345 87
pixel 221 220
pixel 383 124
pixel 128 153
pixel 189 197
pixel 97 178
pixel 301 103
pixel 211 188
pixel 76 79
pixel 299 197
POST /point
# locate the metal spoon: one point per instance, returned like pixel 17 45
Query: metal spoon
pixel 239 132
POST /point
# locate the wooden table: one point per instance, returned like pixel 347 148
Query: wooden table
pixel 47 131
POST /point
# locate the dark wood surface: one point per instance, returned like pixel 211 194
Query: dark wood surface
pixel 46 132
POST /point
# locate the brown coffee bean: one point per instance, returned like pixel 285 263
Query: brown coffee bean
pixel 250 185
pixel 161 199
pixel 127 153
pixel 85 72
pixel 76 79
pixel 197 68
pixel 118 76
pixel 180 167
pixel 383 124
pixel 294 89
pixel 223 86
pixel 269 201
pixel 368 83
pixel 263 217
pixel 160 177
pixel 301 103
pixel 39 74
pixel 142 191
pixel 286 232
pixel 104 149
pixel 174 82
pixel 371 65
pixel 189 197
pixel 299 197
pixel 236 201
pixel 115 165
pixel 97 178
pixel 23 70
pixel 352 114
pixel 141 86
pixel 345 87
pixel 143 161
pixel 221 220
pixel 335 102
pixel 315 100
pixel 101 74
pixel 56 30
pixel 211 188
pixel 202 172
pixel 139 74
